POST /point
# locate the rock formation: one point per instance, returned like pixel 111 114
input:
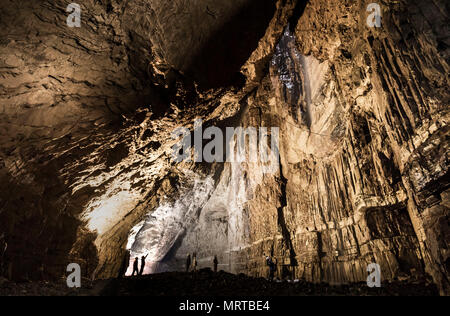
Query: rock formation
pixel 86 164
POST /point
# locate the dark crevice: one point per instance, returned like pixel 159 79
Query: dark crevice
pixel 219 62
pixel 296 15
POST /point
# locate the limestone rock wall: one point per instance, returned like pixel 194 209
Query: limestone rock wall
pixel 356 185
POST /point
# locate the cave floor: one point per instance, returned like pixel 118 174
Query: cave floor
pixel 209 284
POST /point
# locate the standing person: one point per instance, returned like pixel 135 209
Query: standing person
pixel 273 269
pixel 216 264
pixel 136 266
pixel 194 262
pixel 142 265
pixel 188 263
pixel 271 266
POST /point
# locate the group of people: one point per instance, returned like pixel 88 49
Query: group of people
pixel 136 269
pixel 191 263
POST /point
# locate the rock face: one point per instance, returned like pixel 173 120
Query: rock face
pixel 85 151
pixel 352 128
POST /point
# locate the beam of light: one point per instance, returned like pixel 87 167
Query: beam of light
pixel 102 214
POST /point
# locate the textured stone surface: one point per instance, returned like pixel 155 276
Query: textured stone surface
pixel 352 125
pixel 356 117
pixel 87 115
pixel 65 143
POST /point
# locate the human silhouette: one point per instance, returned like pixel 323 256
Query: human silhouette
pixel 136 266
pixel 216 263
pixel 272 267
pixel 142 265
pixel 188 262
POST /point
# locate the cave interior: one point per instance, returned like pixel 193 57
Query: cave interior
pixel 86 138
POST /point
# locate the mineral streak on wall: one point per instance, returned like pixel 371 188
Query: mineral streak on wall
pixel 87 115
